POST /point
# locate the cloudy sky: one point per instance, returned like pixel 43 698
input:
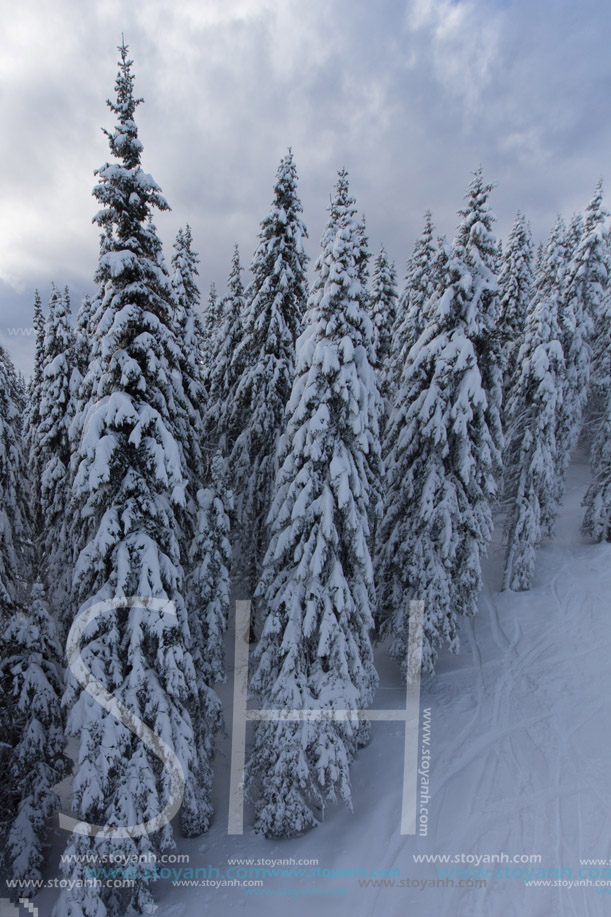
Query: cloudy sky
pixel 409 95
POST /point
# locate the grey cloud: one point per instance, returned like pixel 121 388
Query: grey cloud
pixel 410 97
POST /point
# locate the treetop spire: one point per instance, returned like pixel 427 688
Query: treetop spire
pixel 124 142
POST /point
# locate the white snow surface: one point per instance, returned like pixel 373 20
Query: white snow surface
pixel 520 753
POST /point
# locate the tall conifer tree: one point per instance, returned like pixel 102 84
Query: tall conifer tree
pixel 32 759
pixel 420 282
pixel 50 455
pixel 531 488
pixel 226 360
pixel 383 311
pixel 130 494
pixel 584 284
pixel 265 357
pixel 515 287
pixel 444 446
pixel 317 587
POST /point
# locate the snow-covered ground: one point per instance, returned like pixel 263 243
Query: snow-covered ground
pixel 520 748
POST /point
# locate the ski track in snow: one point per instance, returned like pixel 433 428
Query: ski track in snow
pixel 520 758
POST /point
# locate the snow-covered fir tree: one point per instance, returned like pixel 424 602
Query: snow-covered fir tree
pixel 552 263
pixel 574 234
pixel 39 328
pixel 50 455
pixel 363 259
pixel 499 256
pixel 265 358
pixel 15 554
pixel 549 285
pixel 210 556
pixel 515 288
pixel 443 450
pixel 316 588
pixel 211 309
pixel 476 243
pixel 184 283
pixel 206 601
pixel 15 514
pixel 33 401
pixel 129 496
pixel 184 262
pixel 208 585
pixel 584 284
pixel 420 281
pixel 82 345
pixel 530 485
pixel 226 360
pixel 32 736
pixel 441 261
pixel 34 761
pixel 80 368
pixel 597 501
pixel 382 307
pixel 539 258
pixel 383 312
pixel 188 331
pixel 188 320
pixel 210 319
